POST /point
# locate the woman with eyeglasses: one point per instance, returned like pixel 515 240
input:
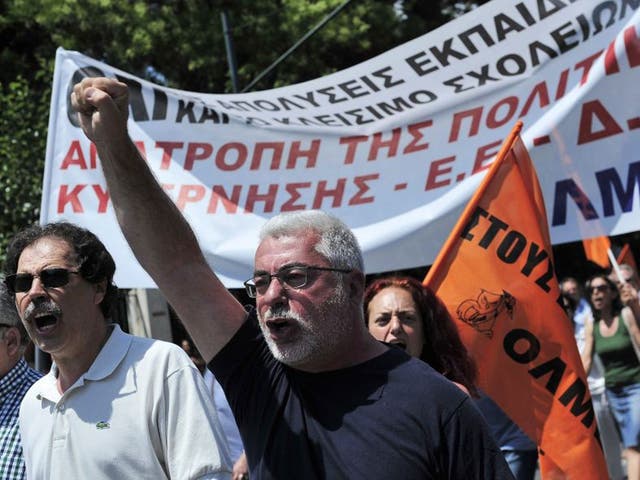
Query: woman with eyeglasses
pixel 610 334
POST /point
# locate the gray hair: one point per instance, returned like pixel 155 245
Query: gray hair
pixel 9 313
pixel 337 242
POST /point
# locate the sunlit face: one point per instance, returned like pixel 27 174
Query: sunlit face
pixel 570 288
pixel 601 294
pixel 394 318
pixel 60 320
pixel 303 327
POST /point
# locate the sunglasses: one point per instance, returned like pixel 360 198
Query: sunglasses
pixel 599 288
pixel 49 277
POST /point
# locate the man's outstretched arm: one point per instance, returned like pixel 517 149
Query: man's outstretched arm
pixel 160 237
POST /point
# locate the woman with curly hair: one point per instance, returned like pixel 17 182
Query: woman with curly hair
pixel 403 312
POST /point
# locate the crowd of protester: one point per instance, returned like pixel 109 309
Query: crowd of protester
pixel 400 311
pixel 321 374
pixel 605 314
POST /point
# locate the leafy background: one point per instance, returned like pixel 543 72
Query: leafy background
pixel 180 43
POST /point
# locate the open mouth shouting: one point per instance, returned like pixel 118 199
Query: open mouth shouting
pixel 44 318
pixel 398 343
pixel 598 301
pixel 280 329
pixel 280 326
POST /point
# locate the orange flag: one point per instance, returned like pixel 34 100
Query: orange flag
pixel 595 249
pixel 496 276
pixel 626 256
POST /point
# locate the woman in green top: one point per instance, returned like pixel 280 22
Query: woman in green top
pixel 610 334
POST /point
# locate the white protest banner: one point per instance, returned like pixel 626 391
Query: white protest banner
pixel 394 146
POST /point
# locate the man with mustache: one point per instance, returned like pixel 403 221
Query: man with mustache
pixel 313 393
pixel 113 405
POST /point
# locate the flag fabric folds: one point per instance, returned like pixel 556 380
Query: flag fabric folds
pixel 595 249
pixel 626 256
pixel 496 276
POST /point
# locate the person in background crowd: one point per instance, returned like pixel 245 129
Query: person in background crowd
pixel 628 286
pixel 15 379
pixel 629 275
pixel 236 450
pixel 579 312
pixel 313 393
pixel 113 405
pixel 614 335
pixel 399 310
pixel 609 437
pixel 570 287
pixel 569 305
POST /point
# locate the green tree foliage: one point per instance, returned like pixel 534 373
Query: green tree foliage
pixel 183 40
pixel 25 108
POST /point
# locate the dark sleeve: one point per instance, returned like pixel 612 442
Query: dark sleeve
pixel 249 374
pixel 247 338
pixel 241 368
pixel 471 451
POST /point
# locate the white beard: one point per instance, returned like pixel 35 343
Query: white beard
pixel 317 339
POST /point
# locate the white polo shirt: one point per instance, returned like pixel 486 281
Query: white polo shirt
pixel 141 411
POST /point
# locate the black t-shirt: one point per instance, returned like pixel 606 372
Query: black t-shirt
pixel 392 417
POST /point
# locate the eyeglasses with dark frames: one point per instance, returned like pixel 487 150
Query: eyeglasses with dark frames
pixel 50 278
pixel 294 276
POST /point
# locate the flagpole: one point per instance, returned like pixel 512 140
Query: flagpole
pixel 616 267
pixel 451 240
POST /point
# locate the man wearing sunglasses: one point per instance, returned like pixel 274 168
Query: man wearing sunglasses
pixel 15 379
pixel 113 405
pixel 314 394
